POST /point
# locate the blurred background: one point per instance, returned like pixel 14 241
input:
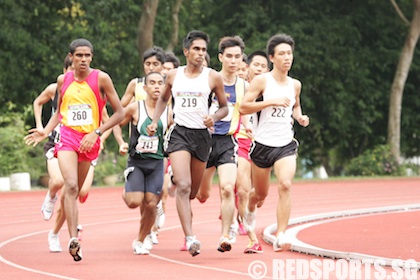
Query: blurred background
pixel 358 61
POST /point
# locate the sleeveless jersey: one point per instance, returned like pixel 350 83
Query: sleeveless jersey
pixel 191 98
pixel 274 126
pixel 141 144
pixel 139 92
pixel 82 104
pixel 234 94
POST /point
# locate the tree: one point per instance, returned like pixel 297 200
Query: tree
pixel 173 42
pixel 146 26
pixel 401 73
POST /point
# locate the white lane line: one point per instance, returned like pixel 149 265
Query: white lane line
pixel 3 260
pixel 7 262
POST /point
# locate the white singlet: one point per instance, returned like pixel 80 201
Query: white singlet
pixel 274 126
pixel 191 98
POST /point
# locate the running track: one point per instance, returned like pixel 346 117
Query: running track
pixel 110 227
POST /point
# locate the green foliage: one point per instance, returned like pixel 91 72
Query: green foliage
pixel 15 156
pixel 345 56
pixel 375 162
pixel 109 163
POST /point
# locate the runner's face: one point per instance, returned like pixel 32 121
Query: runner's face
pixel 196 54
pixel 283 57
pixel 167 66
pixel 82 57
pixel 231 58
pixel 257 66
pixel 152 64
pixel 243 70
pixel 154 85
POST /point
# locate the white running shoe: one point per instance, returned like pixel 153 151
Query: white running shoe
pixel 160 215
pixel 75 250
pixel 282 243
pixel 47 208
pixel 153 237
pixel 139 249
pixel 193 245
pixel 148 243
pixel 224 244
pixel 54 242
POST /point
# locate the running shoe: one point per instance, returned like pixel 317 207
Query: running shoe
pixel 249 220
pixel 224 244
pixel 193 245
pixel 82 199
pixel 47 208
pixel 184 246
pixel 75 250
pixel 253 248
pixel 153 237
pixel 233 232
pixel 148 243
pixel 79 232
pixel 160 215
pixel 139 249
pixel 54 242
pixel 282 243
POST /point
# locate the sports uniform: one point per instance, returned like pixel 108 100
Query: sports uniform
pixel 80 113
pixel 274 136
pixel 144 171
pixel 191 105
pixel 224 145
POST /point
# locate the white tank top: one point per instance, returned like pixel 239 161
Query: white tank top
pixel 274 126
pixel 191 98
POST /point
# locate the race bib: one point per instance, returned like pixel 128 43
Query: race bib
pixel 188 102
pixel 80 114
pixel 147 144
pixel 278 114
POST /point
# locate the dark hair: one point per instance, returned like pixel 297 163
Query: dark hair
pixel 194 35
pixel 277 40
pixel 67 62
pixel 155 51
pixel 171 57
pixel 81 42
pixel 257 53
pixel 245 58
pixel 231 41
pixel 151 73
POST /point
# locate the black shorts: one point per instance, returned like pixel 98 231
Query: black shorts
pixel 224 149
pixel 144 175
pixel 196 141
pixel 264 156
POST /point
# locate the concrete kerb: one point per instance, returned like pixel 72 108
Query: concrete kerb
pixel 302 223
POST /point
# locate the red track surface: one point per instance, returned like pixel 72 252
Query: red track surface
pixel 110 227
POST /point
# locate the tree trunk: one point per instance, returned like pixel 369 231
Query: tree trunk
pixel 146 26
pixel 175 25
pixel 397 89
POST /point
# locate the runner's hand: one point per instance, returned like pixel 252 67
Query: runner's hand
pixel 35 136
pixel 123 149
pixel 151 129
